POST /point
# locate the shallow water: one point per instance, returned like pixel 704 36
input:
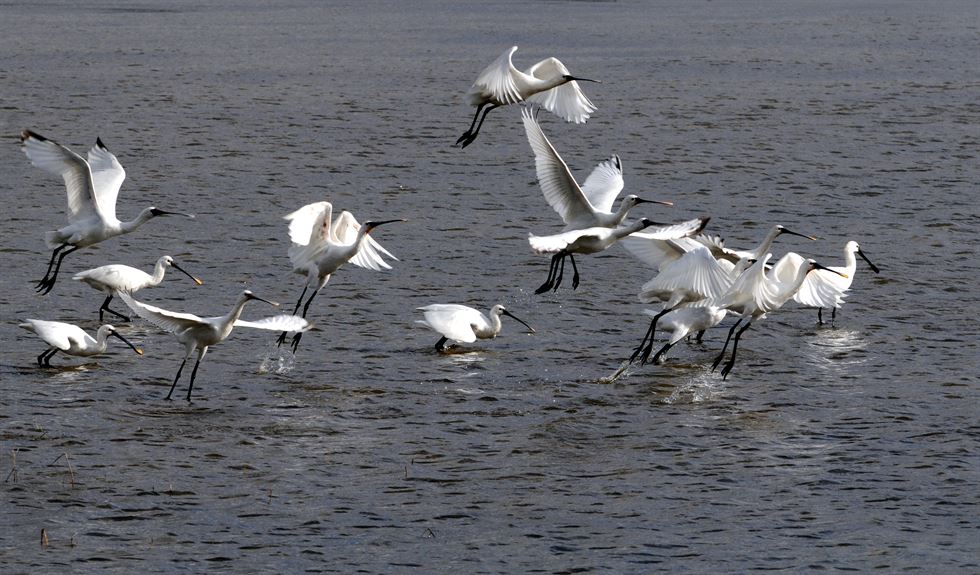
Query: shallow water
pixel 844 447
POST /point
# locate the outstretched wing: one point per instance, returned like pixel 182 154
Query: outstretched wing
pixel 309 232
pixel 696 274
pixel 369 254
pixel 566 101
pixel 282 322
pixel 676 231
pixel 557 183
pixel 496 82
pixel 557 242
pixel 107 177
pixel 604 184
pixel 56 159
pixel 171 321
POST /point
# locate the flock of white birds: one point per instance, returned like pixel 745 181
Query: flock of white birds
pixel 698 281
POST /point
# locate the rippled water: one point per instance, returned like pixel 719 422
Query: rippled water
pixel 845 447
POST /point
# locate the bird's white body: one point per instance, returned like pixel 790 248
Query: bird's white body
pixel 544 83
pixel 463 323
pixel 597 239
pixel 698 316
pixel 580 207
pixel 122 278
pixel 823 289
pixel 460 322
pixel 199 333
pixel 71 339
pixel 693 276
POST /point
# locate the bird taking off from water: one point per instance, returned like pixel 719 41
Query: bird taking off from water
pixel 547 83
pixel 585 206
pixel 594 240
pixel 71 339
pixel 93 186
pixel 463 323
pixel 320 246
pixel 200 333
pixel 115 278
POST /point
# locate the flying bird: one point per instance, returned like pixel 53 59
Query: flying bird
pixel 93 186
pixel 547 83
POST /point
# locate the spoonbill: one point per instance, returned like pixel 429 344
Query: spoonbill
pixel 463 323
pixel 197 333
pixel 71 339
pixel 117 277
pixel 824 289
pixel 547 83
pixel 93 186
pixel 586 206
pixel 320 247
pixel 754 294
pixel 594 240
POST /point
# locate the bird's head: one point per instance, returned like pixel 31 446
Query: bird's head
pixel 247 295
pixel 634 200
pixel 153 212
pixel 115 333
pixel 570 78
pixel 501 310
pixel 813 265
pixel 371 225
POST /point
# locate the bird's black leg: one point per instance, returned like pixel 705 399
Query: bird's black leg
pixel 660 354
pixel 44 360
pixel 298 336
pixel 47 272
pixel 300 300
pixel 833 315
pixel 105 307
pixel 731 361
pixel 820 315
pixel 441 344
pixel 699 336
pixel 296 339
pixel 467 138
pixel 648 336
pixel 653 327
pixel 47 283
pixel 575 269
pixel 560 275
pixel 721 355
pixel 197 364
pixel 179 369
pixel 467 133
pixel 551 272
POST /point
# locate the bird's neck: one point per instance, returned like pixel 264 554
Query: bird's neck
pixel 158 272
pixel 141 219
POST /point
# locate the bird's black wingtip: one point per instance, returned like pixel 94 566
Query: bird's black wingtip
pixel 704 223
pixel 31 134
pixel 98 142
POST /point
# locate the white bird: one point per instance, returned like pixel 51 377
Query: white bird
pixel 320 247
pixel 696 317
pixel 93 186
pixel 547 83
pixel 754 294
pixel 197 333
pixel 823 289
pixel 694 279
pixel 117 277
pixel 580 207
pixel 463 323
pixel 594 240
pixel 71 339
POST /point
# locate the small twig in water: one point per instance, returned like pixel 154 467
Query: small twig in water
pixel 13 470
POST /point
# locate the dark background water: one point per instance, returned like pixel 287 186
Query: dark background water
pixel 852 447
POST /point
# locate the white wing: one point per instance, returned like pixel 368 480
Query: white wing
pixel 172 321
pixel 558 242
pixel 452 320
pixel 604 184
pixel 696 274
pixel 55 333
pixel 277 323
pixel 651 251
pixel 309 232
pixel 820 289
pixel 566 101
pixel 371 255
pixel 344 230
pixel 56 159
pixel 559 186
pixel 107 177
pixel 496 82
pixel 676 231
pixel 116 276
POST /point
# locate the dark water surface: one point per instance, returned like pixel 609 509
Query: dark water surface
pixel 844 448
